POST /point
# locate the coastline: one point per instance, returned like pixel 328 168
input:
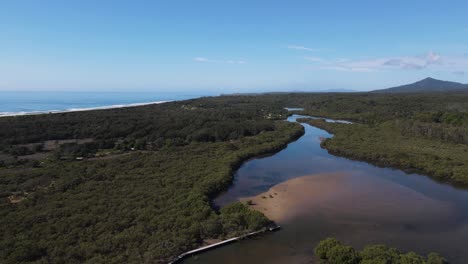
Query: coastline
pixel 10 114
pixel 242 154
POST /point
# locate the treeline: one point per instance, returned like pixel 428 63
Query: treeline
pixel 214 119
pixel 456 117
pixel 426 133
pixel 141 207
pixel 332 251
pixel 145 203
pixel 433 116
pixel 447 108
pixel 386 145
pixel 150 126
pixel 437 131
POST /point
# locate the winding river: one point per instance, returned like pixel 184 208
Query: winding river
pixel 354 201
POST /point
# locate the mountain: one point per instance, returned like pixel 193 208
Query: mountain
pixel 426 85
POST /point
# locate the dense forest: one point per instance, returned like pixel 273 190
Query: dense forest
pixel 388 144
pixel 332 251
pixel 450 109
pixel 157 125
pixel 425 133
pixel 416 132
pixel 134 184
pixel 139 206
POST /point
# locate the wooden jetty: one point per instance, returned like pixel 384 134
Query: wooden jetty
pixel 222 243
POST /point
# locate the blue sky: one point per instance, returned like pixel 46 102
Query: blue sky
pixel 229 46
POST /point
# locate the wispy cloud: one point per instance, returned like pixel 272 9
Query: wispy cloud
pixel 203 59
pixel 417 63
pixel 314 59
pixel 428 60
pixel 297 47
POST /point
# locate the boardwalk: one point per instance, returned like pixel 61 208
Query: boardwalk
pixel 222 243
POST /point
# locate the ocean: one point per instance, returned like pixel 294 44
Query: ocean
pixel 36 102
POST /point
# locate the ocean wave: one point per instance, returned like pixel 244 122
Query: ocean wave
pixel 22 113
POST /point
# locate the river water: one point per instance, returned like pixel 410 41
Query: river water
pixel 366 204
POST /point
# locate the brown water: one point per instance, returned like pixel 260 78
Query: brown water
pixel 354 201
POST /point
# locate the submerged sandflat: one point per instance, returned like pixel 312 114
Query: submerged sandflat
pixel 358 209
pixel 313 194
pixel 341 197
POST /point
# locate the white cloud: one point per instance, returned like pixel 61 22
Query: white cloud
pixel 418 62
pixel 297 47
pixel 314 59
pixel 235 61
pixel 203 59
pixel 429 60
pixel 347 68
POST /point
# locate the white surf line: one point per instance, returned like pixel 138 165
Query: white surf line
pixel 5 114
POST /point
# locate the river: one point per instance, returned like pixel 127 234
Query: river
pixel 364 204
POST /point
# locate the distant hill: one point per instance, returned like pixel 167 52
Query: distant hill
pixel 338 90
pixel 295 92
pixel 426 85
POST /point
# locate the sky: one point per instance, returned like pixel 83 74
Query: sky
pixel 229 46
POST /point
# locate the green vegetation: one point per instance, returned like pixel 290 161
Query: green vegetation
pixel 148 127
pixel 134 184
pixel 386 144
pixel 417 133
pixel 449 109
pixel 140 206
pixel 332 251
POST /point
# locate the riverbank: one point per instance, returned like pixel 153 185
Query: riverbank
pixel 314 195
pixel 386 145
pixel 210 244
pixel 171 189
pixel 153 203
